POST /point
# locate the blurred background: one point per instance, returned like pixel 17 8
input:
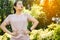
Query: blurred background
pixel 47 12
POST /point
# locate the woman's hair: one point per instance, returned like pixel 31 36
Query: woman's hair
pixel 15 5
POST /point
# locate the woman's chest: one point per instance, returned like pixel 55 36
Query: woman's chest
pixel 18 19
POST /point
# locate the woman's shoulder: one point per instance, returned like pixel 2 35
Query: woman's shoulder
pixel 10 15
pixel 27 14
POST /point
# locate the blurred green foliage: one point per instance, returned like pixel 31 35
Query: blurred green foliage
pixel 5 10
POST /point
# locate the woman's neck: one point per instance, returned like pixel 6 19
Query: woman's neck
pixel 18 12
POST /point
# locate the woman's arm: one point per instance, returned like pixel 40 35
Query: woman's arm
pixel 35 23
pixel 4 23
pixel 4 28
pixel 33 20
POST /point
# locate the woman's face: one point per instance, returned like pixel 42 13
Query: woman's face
pixel 19 5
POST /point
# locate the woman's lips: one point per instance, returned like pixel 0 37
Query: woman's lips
pixel 21 6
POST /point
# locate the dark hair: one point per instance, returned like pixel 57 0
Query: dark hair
pixel 15 5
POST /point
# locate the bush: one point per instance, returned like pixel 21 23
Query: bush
pixel 57 33
pixel 5 10
pixel 51 33
pixel 6 37
pixel 41 35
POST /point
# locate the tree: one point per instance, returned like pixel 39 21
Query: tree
pixel 51 7
pixel 5 10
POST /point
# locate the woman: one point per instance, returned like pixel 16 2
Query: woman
pixel 19 22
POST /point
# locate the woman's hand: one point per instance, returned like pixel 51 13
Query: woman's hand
pixel 31 28
pixel 26 32
pixel 14 33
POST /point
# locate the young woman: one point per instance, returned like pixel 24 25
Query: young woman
pixel 19 22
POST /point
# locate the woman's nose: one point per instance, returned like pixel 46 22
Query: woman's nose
pixel 21 6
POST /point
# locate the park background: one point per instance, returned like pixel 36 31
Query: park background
pixel 47 12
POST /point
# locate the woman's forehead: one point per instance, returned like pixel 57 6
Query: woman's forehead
pixel 20 2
